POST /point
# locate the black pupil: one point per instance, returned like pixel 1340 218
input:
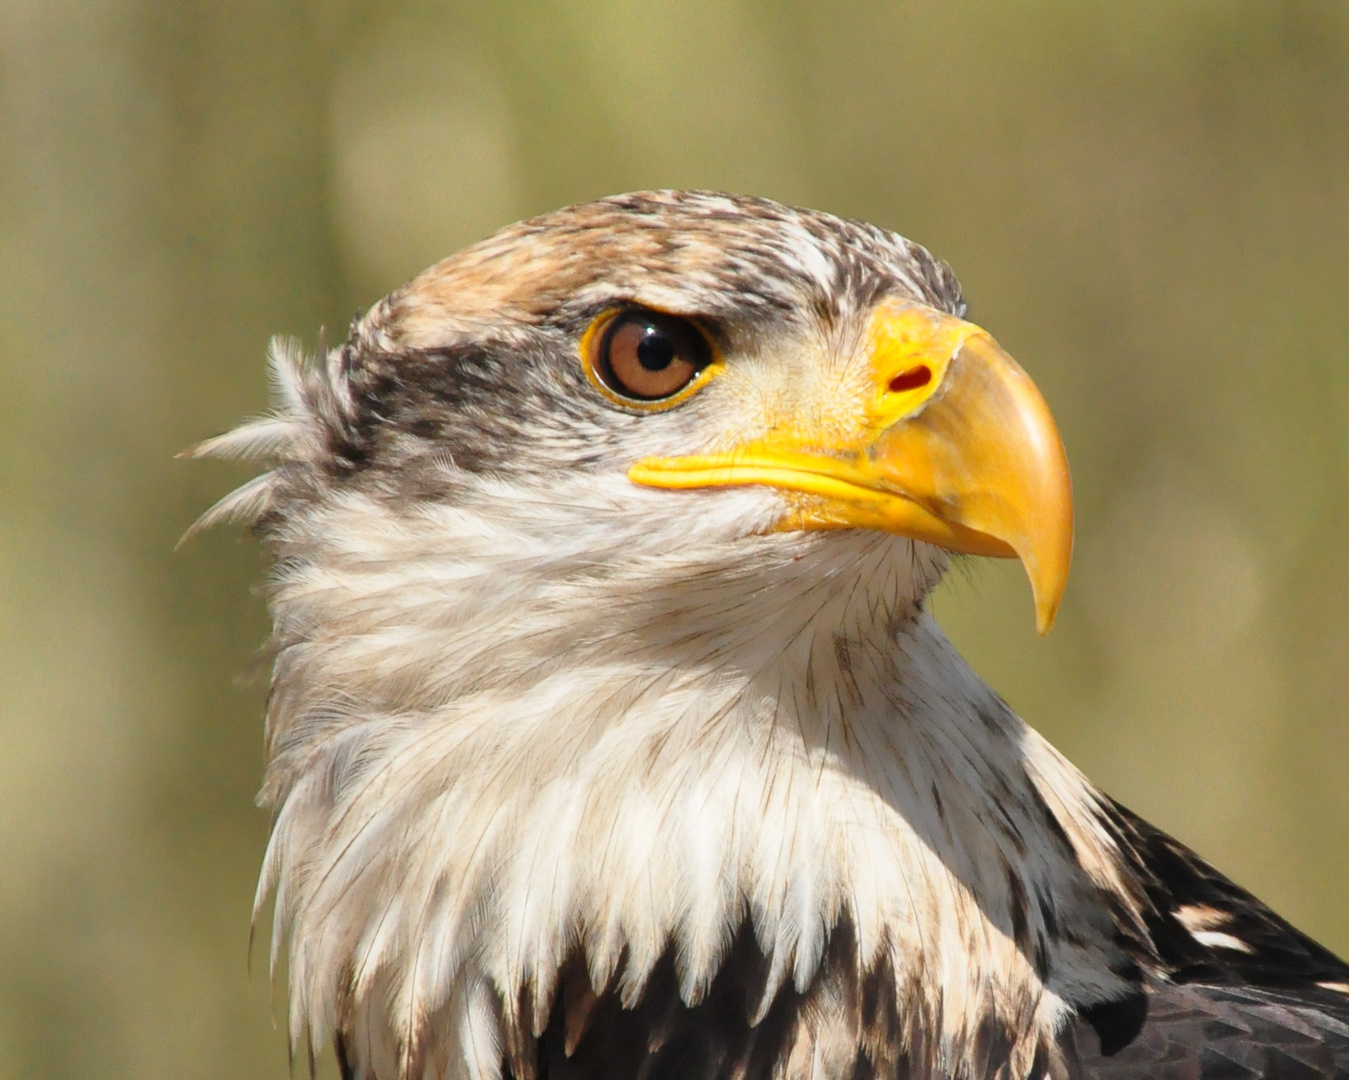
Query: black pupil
pixel 655 351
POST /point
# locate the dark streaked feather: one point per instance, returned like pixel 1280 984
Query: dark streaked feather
pixel 1267 1004
pixel 591 1036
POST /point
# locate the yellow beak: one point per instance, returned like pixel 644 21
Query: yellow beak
pixel 952 444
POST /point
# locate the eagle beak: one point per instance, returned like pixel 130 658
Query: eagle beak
pixel 951 443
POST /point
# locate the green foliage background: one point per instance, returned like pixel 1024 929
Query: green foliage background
pixel 1148 204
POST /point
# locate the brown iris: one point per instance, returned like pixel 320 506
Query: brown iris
pixel 647 355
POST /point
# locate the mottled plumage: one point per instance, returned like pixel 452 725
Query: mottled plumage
pixel 574 776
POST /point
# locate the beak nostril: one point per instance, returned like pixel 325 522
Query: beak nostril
pixel 911 379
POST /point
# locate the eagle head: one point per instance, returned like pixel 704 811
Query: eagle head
pixel 607 724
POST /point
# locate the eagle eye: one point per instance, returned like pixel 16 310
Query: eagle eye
pixel 647 356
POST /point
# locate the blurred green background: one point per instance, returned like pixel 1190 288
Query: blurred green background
pixel 1148 204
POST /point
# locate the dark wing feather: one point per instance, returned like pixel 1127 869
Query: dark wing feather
pixel 1274 1004
pixel 1175 879
pixel 1205 1032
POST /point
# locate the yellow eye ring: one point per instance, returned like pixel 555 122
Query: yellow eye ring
pixel 641 358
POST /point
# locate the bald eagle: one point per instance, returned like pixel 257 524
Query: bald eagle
pixel 609 735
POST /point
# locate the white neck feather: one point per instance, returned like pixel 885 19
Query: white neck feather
pixel 487 752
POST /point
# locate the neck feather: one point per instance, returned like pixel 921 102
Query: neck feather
pixel 485 766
